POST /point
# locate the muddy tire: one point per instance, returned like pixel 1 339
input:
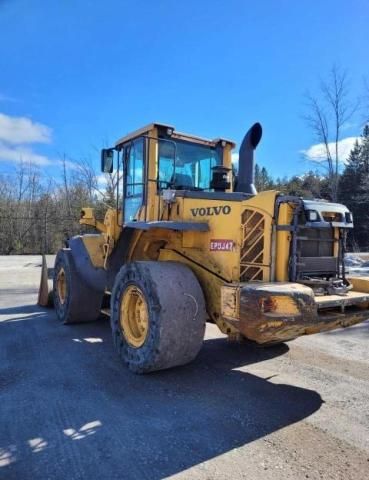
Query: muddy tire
pixel 157 315
pixel 74 301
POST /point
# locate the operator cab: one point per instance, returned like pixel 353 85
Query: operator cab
pixel 157 158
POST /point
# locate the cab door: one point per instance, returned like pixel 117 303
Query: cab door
pixel 134 184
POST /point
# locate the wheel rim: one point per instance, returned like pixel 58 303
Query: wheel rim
pixel 134 316
pixel 61 285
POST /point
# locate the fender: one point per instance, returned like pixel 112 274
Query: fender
pixel 94 277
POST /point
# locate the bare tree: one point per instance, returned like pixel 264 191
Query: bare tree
pixel 38 211
pixel 66 184
pixel 86 174
pixel 327 115
pixel 366 100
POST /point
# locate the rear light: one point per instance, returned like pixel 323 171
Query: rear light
pixel 267 304
pixel 279 305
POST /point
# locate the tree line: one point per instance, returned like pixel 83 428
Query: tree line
pixel 38 213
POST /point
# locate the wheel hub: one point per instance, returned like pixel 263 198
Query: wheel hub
pixel 134 316
pixel 61 285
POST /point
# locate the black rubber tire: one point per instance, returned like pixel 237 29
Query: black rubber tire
pixel 82 304
pixel 177 315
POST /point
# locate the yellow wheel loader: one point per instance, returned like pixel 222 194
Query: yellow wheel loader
pixel 190 242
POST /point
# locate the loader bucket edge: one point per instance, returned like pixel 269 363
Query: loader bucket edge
pixel 45 290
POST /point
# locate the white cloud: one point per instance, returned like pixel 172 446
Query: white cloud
pixel 235 158
pixel 22 130
pixel 17 134
pixel 19 154
pixel 318 152
pixel 102 180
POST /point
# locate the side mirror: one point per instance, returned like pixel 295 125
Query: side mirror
pixel 107 160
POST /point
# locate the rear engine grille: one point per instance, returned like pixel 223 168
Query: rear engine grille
pixel 315 253
pixel 317 265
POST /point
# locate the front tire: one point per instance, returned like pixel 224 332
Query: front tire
pixel 74 301
pixel 157 315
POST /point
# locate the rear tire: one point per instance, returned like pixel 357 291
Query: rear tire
pixel 157 315
pixel 74 301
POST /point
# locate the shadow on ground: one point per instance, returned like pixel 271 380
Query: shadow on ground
pixel 69 409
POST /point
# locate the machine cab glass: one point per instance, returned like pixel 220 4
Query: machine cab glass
pixel 186 165
pixel 134 179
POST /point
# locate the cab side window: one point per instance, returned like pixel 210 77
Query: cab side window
pixel 134 182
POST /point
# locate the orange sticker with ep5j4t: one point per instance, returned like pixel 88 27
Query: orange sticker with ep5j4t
pixel 221 245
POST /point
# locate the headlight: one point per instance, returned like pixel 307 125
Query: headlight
pixel 312 215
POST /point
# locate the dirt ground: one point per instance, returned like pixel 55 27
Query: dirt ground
pixel 70 410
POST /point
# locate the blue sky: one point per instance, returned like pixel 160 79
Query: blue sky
pixel 75 75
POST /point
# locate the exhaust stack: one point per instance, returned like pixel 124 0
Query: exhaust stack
pixel 246 164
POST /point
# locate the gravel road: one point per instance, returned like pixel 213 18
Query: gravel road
pixel 70 410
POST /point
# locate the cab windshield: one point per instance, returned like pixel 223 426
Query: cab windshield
pixel 185 165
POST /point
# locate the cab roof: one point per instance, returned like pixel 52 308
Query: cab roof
pixel 174 135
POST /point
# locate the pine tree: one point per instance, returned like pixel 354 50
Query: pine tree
pixel 364 154
pixel 354 188
pixel 263 181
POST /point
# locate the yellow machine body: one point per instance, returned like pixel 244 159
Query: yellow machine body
pixel 237 245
